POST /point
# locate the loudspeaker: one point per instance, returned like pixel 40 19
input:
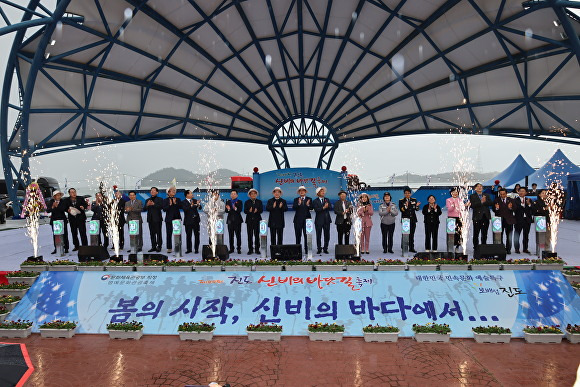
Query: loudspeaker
pixel 148 257
pixel 221 251
pixel 92 253
pixel 286 252
pixel 493 251
pixel 549 254
pixel 343 252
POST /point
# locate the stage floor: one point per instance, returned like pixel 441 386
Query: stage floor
pixel 97 360
pixel 16 245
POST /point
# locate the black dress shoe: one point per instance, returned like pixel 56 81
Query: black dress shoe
pixel 527 251
pixel 508 252
pixel 158 249
pixel 139 250
pixel 53 252
pixel 187 251
pixel 151 250
pixel 325 251
pixel 66 251
pixel 319 251
pixel 257 252
pixel 391 251
pixel 239 250
pixel 384 251
pixel 197 251
pixel 412 250
pixel 250 252
pixel 231 251
pixel 128 251
pixel 75 249
pixel 517 251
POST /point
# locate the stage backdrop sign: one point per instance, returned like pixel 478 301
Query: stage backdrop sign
pixel 291 178
pixel 232 300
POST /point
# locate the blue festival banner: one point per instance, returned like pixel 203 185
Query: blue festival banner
pixel 232 300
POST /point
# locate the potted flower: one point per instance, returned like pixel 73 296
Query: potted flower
pixel 576 286
pixel 325 332
pixel 518 264
pixel 381 333
pixel 3 312
pixel 391 265
pixel 268 265
pixel 421 264
pixel 62 265
pixel 432 333
pixel 299 265
pixel 120 266
pixel 208 265
pixel 179 265
pixel 452 264
pixel 332 265
pixel 238 265
pixel 58 329
pixel 150 265
pixel 22 276
pixel 9 302
pixel 125 330
pixel 14 289
pixel 573 333
pixel 359 265
pixel 485 264
pixel 19 329
pixel 572 275
pixel 91 265
pixel 543 334
pixel 264 332
pixel 196 331
pixel 491 334
pixel 552 263
pixel 37 266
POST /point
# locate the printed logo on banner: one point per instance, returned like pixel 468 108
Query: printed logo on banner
pixel 406 225
pixel 451 225
pixel 309 226
pixel 94 227
pixel 176 226
pixel 540 223
pixel 219 226
pixel 58 227
pixel 263 227
pixel 105 277
pixel 496 224
pixel 133 227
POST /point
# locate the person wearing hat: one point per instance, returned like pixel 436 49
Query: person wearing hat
pixel 276 207
pixel 322 221
pixel 302 206
pixel 57 208
pixel 343 211
pixel 253 208
pixel 234 221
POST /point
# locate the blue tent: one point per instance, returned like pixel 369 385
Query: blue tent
pixel 556 169
pixel 516 171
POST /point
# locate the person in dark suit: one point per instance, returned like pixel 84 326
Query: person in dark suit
pixel 504 208
pixel 120 218
pixel 154 205
pixel 253 209
pixel 77 218
pixel 99 213
pixel 408 206
pixel 343 211
pixel 234 208
pixel 276 207
pixel 171 206
pixel 431 214
pixel 322 221
pixel 191 220
pixel 524 219
pixel 57 209
pixel 480 203
pixel 302 206
pixel 133 209
pixel 534 191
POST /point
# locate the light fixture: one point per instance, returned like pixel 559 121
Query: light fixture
pixel 556 23
pixel 52 43
pixel 47 55
pixel 563 35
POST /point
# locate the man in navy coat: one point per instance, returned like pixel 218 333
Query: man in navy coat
pixel 302 206
pixel 322 221
pixel 234 208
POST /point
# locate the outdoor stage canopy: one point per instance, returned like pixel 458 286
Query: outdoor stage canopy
pixel 283 73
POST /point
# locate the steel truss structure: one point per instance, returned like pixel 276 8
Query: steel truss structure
pixel 283 73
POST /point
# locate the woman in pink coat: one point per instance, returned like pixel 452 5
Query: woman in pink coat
pixel 365 212
pixel 453 205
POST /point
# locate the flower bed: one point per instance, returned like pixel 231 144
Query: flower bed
pixel 332 265
pixel 3 312
pixel 381 333
pixel 543 334
pixel 518 264
pixel 359 265
pixel 62 265
pixel 18 329
pixel 120 266
pixel 484 264
pixel 209 265
pixel 58 329
pixel 573 333
pixel 264 332
pixel 17 289
pixel 421 264
pixel 9 302
pixel 451 264
pixel 576 286
pixel 268 265
pixel 179 265
pixel 572 275
pixel 196 331
pixel 325 332
pixel 432 333
pixel 37 266
pixel 492 334
pixel 125 330
pixel 299 265
pixel 554 263
pixel 391 265
pixel 91 266
pixel 238 265
pixel 22 276
pixel 151 265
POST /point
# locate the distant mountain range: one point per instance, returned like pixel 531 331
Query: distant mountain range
pixel 439 178
pixel 187 179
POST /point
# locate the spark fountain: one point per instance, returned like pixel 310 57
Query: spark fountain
pixel 555 204
pixel 31 209
pixel 110 213
pixel 212 206
pixel 353 193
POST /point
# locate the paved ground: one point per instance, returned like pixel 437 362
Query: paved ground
pixel 95 360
